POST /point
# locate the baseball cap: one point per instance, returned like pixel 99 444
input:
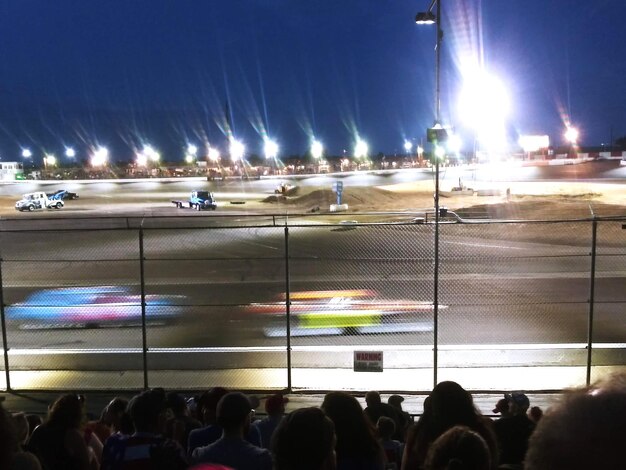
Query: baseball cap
pixel 395 399
pixel 501 406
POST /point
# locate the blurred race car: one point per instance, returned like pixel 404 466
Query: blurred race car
pixel 61 195
pixel 337 312
pixel 91 307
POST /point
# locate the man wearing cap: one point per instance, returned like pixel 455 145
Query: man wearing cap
pixel 233 415
pixel 513 431
pixel 275 409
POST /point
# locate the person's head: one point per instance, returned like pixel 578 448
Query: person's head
pixel 396 401
pixel 112 413
pixel 8 439
pixel 518 403
pixel 177 403
pixel 67 411
pixel 233 412
pixel 147 411
pixel 459 448
pixel 355 434
pixel 304 440
pixel 275 404
pixel 502 407
pixel 372 398
pixel 586 430
pixel 450 405
pixel 534 414
pixel 207 404
pixel 386 427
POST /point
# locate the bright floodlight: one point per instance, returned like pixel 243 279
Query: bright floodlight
pixel 407 146
pixel 425 18
pixel 214 154
pixel 532 143
pixel 100 156
pixel 317 149
pixel 70 152
pixel 51 160
pixel 142 159
pixel 454 143
pixel 571 135
pixel 189 158
pixel 192 150
pixel 484 106
pixel 361 149
pixel 26 153
pixel 151 154
pixel 271 149
pixel 237 150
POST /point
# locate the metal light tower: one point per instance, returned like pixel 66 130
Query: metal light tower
pixel 429 18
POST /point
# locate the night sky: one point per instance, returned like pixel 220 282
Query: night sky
pixel 123 73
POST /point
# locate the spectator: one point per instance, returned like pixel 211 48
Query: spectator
pixel 458 448
pixel 12 457
pixel 59 443
pixel 534 414
pixel 305 440
pixel 376 408
pixel 513 431
pixel 393 448
pixel 146 448
pixel 233 415
pixel 33 421
pixel 502 407
pixel 357 446
pixel 448 405
pixel 586 430
pixel 181 423
pixel 212 431
pixel 405 418
pixel 275 409
pixel 110 419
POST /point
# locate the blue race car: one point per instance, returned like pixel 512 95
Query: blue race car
pixel 91 307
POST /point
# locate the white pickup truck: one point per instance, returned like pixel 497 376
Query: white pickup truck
pixel 38 200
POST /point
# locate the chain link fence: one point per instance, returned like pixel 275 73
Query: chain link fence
pixel 286 304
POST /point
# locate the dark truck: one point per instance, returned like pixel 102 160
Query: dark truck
pixel 199 200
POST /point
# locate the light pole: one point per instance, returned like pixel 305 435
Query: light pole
pixel 429 18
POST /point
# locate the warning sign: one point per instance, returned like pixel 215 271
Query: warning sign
pixel 368 361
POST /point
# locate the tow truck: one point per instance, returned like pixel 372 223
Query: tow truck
pixel 37 200
pixel 199 200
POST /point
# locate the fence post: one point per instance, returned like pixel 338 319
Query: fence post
pixel 5 343
pixel 144 340
pixel 592 286
pixel 288 308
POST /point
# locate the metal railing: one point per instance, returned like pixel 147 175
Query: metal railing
pixel 284 302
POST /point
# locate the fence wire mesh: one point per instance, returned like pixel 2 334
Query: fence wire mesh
pixel 287 307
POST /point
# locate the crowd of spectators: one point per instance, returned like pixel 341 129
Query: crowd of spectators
pixel 219 429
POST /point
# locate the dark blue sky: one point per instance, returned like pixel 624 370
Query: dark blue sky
pixel 123 72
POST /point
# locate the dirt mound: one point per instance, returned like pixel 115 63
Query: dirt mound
pixel 358 198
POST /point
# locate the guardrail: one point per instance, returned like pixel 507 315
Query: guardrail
pixel 534 305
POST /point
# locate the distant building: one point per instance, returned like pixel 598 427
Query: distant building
pixel 11 171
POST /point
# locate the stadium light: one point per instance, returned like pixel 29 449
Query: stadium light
pixel 237 150
pixel 408 146
pixel 26 153
pixel 571 135
pixel 100 157
pixel 271 149
pixel 192 150
pixel 214 154
pixel 50 159
pixel 429 17
pixel 70 152
pixel 317 149
pixel 361 149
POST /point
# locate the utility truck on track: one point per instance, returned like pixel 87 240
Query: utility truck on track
pixel 37 200
pixel 199 200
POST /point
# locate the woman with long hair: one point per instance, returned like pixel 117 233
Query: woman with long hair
pixel 357 445
pixel 59 443
pixel 447 406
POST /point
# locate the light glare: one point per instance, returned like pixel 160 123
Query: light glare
pixel 317 149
